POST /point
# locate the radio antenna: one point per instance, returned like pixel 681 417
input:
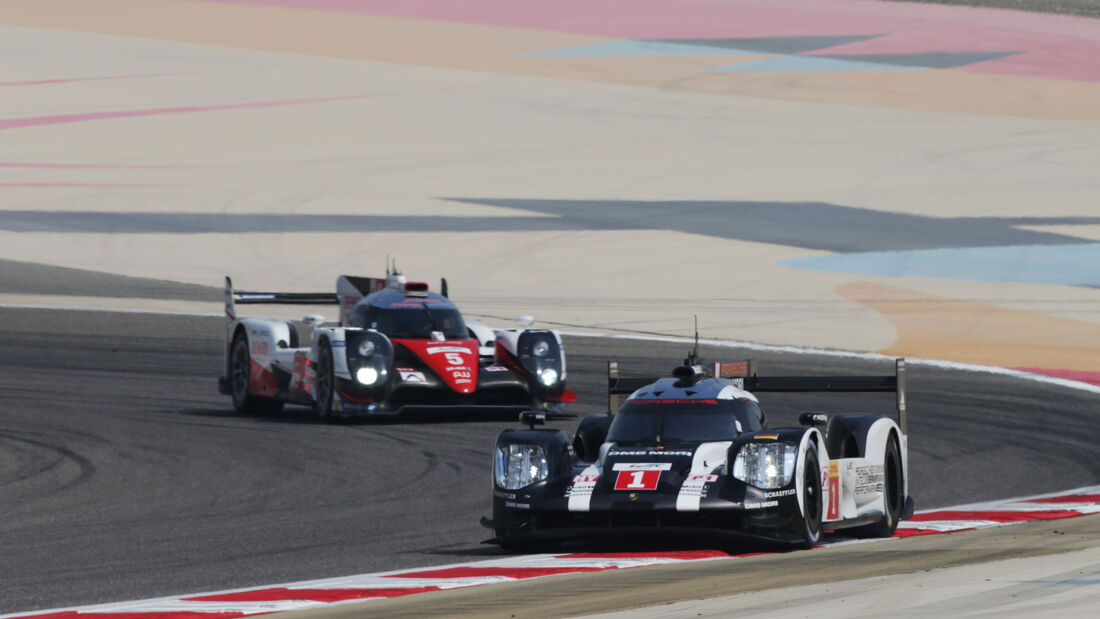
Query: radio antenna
pixel 693 357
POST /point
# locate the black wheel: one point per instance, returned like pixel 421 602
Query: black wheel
pixel 240 375
pixel 325 384
pixel 893 495
pixel 812 504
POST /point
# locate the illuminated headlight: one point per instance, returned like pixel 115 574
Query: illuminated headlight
pixel 766 465
pixel 548 376
pixel 517 466
pixel 366 376
pixel 366 348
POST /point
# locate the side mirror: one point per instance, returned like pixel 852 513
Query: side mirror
pixel 312 320
pixel 525 321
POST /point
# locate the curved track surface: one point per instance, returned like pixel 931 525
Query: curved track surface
pixel 123 474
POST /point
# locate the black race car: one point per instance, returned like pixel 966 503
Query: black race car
pixel 694 453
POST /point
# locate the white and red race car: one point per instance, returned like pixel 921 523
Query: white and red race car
pixel 397 346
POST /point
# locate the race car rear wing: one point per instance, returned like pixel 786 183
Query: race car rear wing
pixel 744 372
pixel 350 289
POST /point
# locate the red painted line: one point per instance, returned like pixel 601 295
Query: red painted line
pixel 994 516
pixel 72 614
pixel 1068 498
pixel 919 532
pixel 1093 378
pixel 510 572
pixel 34 121
pixel 686 555
pixel 312 595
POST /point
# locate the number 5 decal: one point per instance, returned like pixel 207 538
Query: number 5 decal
pixel 455 359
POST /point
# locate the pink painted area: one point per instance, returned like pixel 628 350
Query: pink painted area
pixel 88 79
pixel 89 185
pixel 34 121
pixel 1092 378
pixel 1053 46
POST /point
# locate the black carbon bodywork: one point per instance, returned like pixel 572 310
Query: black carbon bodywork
pixel 727 507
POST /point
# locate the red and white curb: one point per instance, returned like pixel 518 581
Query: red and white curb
pixel 318 593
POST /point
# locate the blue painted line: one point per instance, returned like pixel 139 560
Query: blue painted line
pixel 630 47
pixel 1073 265
pixel 809 63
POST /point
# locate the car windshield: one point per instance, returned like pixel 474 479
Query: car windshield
pixel 410 323
pixel 651 421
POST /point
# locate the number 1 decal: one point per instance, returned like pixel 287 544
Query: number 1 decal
pixel 638 480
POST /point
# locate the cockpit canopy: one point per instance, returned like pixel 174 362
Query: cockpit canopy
pixel 413 319
pixel 650 421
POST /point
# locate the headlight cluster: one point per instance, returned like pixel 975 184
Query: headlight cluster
pixel 369 357
pixel 517 466
pixel 766 465
pixel 540 354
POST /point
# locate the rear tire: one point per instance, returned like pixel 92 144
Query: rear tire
pixel 240 377
pixel 893 495
pixel 812 504
pixel 325 386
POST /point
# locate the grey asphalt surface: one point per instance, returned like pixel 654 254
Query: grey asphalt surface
pixel 124 475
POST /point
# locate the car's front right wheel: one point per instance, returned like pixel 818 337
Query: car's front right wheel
pixel 809 528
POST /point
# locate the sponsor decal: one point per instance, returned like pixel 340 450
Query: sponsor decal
pixel 580 493
pixel 503 495
pixel 411 376
pixel 733 368
pixel 339 343
pixel 761 504
pixel 642 479
pixel 834 490
pixel 766 437
pixel 259 348
pixel 435 350
pixel 641 466
pixel 495 368
pixel 868 479
pixel 515 505
pixel 707 456
pixel 300 377
pixel 778 493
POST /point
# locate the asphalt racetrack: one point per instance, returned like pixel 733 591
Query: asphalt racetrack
pixel 124 475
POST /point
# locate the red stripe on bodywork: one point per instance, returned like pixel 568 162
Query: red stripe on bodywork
pixel 996 516
pixel 1068 498
pixel 312 595
pixel 510 572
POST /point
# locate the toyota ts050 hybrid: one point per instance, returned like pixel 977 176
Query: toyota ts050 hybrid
pixel 694 454
pixel 397 346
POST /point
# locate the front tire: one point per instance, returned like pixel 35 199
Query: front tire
pixel 325 386
pixel 812 500
pixel 240 377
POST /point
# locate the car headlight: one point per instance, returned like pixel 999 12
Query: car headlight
pixel 367 375
pixel 517 466
pixel 766 465
pixel 548 376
